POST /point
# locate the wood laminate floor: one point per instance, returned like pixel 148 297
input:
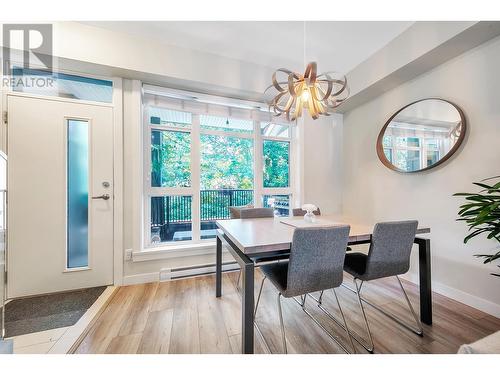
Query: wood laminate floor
pixel 183 316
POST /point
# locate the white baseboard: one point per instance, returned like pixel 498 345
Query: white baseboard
pixel 169 274
pixel 141 278
pixel 177 273
pixel 460 296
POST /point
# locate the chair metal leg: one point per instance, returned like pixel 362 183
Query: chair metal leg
pixel 255 314
pixel 238 288
pixel 302 303
pixel 283 337
pixel 358 290
pixel 258 297
pixel 345 322
pixel 320 298
pixel 352 333
pixel 419 330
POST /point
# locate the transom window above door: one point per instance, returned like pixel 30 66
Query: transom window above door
pixel 201 158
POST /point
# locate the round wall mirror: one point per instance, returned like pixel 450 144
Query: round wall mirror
pixel 421 135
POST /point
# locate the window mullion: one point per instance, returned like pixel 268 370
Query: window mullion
pixel 146 180
pixel 195 177
pixel 257 169
pixel 423 153
pixel 292 165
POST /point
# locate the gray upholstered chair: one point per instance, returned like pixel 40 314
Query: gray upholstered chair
pixel 246 212
pixel 389 255
pixel 301 212
pixel 256 213
pixel 234 211
pixel 315 264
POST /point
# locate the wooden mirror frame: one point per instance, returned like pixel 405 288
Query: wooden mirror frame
pixel 388 164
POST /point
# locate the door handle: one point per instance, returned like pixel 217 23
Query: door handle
pixel 104 196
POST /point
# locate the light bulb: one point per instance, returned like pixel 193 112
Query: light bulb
pixel 305 95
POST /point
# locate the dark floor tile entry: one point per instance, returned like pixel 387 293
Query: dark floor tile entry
pixel 35 314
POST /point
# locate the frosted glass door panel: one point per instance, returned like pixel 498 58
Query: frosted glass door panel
pixel 78 193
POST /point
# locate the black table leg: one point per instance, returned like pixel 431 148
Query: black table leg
pixel 424 267
pixel 247 297
pixel 247 307
pixel 218 268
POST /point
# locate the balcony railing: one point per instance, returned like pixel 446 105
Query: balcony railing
pixel 214 204
pixel 171 214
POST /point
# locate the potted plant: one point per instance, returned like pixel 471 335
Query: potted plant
pixel 481 212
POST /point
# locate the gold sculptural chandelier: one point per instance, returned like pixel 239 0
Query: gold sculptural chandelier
pixel 318 94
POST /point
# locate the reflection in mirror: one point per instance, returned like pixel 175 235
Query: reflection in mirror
pixel 421 135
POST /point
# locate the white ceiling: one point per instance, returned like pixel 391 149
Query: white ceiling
pixel 335 45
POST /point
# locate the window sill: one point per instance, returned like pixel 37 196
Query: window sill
pixel 173 251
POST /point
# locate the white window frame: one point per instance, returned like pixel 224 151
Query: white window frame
pixel 195 158
pixel 291 166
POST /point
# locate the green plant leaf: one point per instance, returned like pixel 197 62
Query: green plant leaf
pixel 481 213
pixel 490 178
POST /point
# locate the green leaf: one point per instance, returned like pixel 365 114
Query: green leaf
pixel 474 234
pixel 490 178
pixel 481 213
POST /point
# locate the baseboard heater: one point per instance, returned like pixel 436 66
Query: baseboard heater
pixel 198 270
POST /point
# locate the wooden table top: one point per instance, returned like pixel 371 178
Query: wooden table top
pixel 270 234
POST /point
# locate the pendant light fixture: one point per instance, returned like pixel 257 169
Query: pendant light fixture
pixel 318 94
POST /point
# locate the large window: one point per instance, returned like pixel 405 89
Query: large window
pixel 199 162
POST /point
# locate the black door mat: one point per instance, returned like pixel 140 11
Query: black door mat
pixel 36 314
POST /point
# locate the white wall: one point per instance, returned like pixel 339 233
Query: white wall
pixel 372 192
pixel 322 163
pixel 154 62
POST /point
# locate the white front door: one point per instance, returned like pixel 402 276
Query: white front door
pixel 60 186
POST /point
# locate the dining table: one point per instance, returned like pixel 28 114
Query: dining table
pixel 249 240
